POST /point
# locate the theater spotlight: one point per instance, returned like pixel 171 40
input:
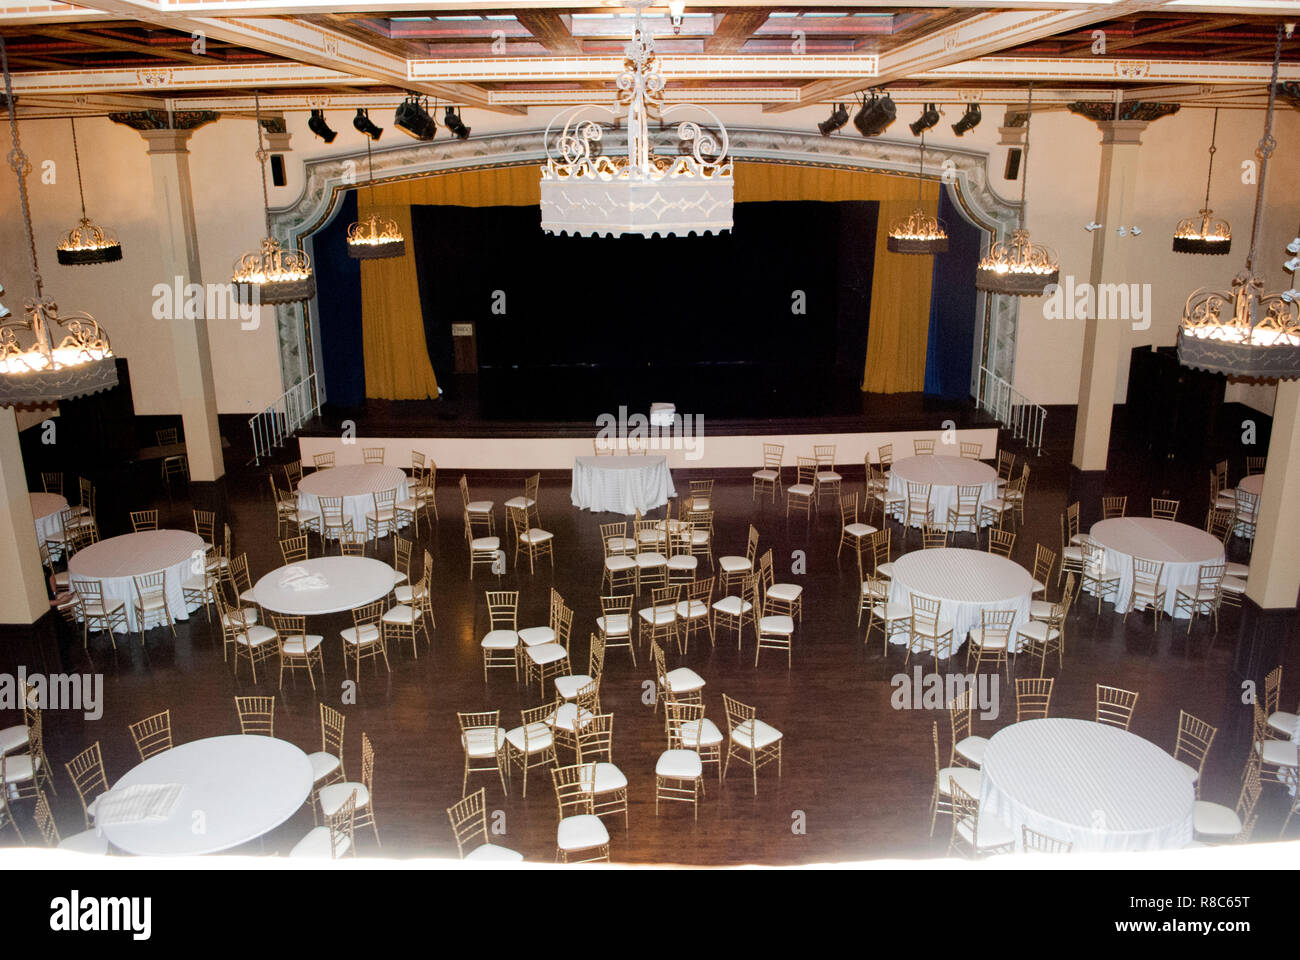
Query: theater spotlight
pixel 412 118
pixel 455 126
pixel 969 120
pixel 928 118
pixel 875 115
pixel 839 117
pixel 318 126
pixel 362 122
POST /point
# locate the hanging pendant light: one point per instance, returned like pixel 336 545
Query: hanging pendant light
pixel 1246 333
pixel 34 370
pixel 375 237
pixel 1204 233
pixel 86 242
pixel 1019 267
pixel 273 274
pixel 918 232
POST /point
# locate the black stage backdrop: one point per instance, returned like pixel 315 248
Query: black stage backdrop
pixel 769 320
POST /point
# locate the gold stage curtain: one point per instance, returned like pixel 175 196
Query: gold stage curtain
pixel 392 323
pixel 899 325
pixel 397 361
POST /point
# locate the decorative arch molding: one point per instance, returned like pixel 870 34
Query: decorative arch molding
pixel 964 173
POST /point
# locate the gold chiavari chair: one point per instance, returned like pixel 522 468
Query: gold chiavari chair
pixel 693 612
pixel 967 837
pixel 774 632
pixel 569 686
pixel 827 480
pixel 581 836
pixel 96 611
pixel 1195 737
pixel 928 632
pixel 679 774
pixel 688 728
pixel 1255 465
pixel 785 598
pixel 483 739
pixel 941 796
pixel 333 796
pixel 531 744
pixel 568 718
pixel 923 447
pixel 1222 497
pixel 990 642
pixel 734 610
pixel 1001 542
pixel 86 770
pixel 735 568
pixel 972 451
pixel 1033 697
pixel 528 502
pixel 873 590
pixel 44 820
pixel 1097 577
pixel 333 840
pixel 1281 723
pixel 372 455
pixel 967 749
pixel 298 649
pixel 483 551
pixel 701 497
pixel 418 594
pixel 1277 759
pixel 1214 823
pixel 333 524
pixel 769 477
pixel 682 561
pixel 476 511
pixel 240 583
pixel 891 617
pixel 750 740
pixel 878 495
pixel 545 661
pixel 919 512
pixel 994 510
pixel 619 568
pixel 651 565
pixel 682 683
pixel 1147 588
pixel 144 520
pixel 383 515
pixel 965 516
pixel 602 449
pixel 1204 597
pixel 933 535
pixel 152 734
pixel 151 602
pixel 1071 552
pixel 294 549
pixel 701 522
pixel 52 483
pixel 885 457
pixel 851 531
pixel 327 763
pixel 291 519
pixel 1044 633
pixel 609 784
pixel 365 639
pixel 22 773
pixel 469 823
pixel 293 475
pixel 1015 496
pixel 323 461
pixel 1115 706
pixel 500 645
pixel 256 716
pixel 351 543
pixel 535 542
pixel 1044 562
pixel 1218 523
pixel 1244 523
pixel 205 525
pixel 1031 841
pixel 799 495
pixel 660 618
pixel 425 488
pixel 881 550
pixel 1112 507
pixel 1006 467
pixel 1164 509
pixel 16 736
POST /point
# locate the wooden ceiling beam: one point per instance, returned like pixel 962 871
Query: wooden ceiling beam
pixel 550 31
pixel 736 28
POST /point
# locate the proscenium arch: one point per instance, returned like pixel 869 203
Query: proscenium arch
pixel 964 173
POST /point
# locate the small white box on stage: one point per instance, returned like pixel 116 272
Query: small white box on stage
pixel 661 414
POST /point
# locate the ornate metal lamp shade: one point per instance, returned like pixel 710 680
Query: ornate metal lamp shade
pixel 586 193
pixel 86 243
pixel 918 232
pixel 1204 233
pixel 375 237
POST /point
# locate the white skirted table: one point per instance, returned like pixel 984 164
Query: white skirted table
pixel 357 484
pixel 1180 547
pixel 324 585
pixel 621 484
pixel 944 475
pixel 1096 786
pixel 116 561
pixel 966 582
pixel 46 508
pixel 233 790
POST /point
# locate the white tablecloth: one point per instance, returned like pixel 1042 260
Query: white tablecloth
pixel 45 510
pixel 116 560
pixel 1182 549
pixel 1096 786
pixel 967 582
pixel 356 483
pixel 945 475
pixel 621 484
pixel 327 585
pixel 235 789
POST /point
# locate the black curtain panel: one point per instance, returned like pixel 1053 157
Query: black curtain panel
pixel 767 320
pixel 953 301
pixel 338 289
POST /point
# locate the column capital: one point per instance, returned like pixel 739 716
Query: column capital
pixel 176 121
pixel 1122 122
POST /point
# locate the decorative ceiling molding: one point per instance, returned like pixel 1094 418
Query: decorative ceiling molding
pixel 1105 111
pixel 1102 69
pixel 716 67
pixel 163 120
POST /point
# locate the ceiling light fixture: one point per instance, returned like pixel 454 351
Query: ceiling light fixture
pixel 375 237
pixel 1204 233
pixel 1246 333
pixel 86 243
pixel 454 124
pixel 918 232
pixel 928 118
pixel 1019 267
pixel 412 117
pixel 363 124
pixel 40 372
pixel 585 192
pixel 272 274
pixel 839 116
pixel 676 8
pixel 875 115
pixel 969 120
pixel 317 125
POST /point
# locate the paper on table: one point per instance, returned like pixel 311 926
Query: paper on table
pixel 134 804
pixel 296 578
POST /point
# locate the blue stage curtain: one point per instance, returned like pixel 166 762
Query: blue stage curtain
pixel 338 299
pixel 953 302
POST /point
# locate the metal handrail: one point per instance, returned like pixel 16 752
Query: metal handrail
pixel 286 414
pixel 1024 418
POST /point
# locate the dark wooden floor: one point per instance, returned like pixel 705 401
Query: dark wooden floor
pixel 857 772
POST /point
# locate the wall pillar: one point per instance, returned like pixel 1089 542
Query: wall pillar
pixel 23 593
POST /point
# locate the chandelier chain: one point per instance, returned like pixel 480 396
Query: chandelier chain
pixel 261 161
pixel 1265 149
pixel 76 156
pixel 1024 170
pixel 1214 133
pixel 20 164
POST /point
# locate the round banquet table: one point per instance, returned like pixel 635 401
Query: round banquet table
pixel 357 484
pixel 325 585
pixel 235 789
pixel 1096 786
pixel 46 508
pixel 944 475
pixel 621 484
pixel 966 582
pixel 1180 547
pixel 116 560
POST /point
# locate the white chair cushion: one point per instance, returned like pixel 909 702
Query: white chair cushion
pixel 968 778
pixel 568 718
pixel 250 617
pixel 1281 721
pixel 608 778
pixel 1038 631
pixel 617 544
pixel 369 634
pixel 519 503
pixel 402 614
pixel 1200 594
pixel 581 833
pixel 567 687
pixel 995 641
pixel 893 610
pixel 255 636
pixel 301 645
pixel 317 845
pixel 700 733
pixel 11 738
pixel 539 737
pixel 1233 585
pixel 734 564
pixel 485 543
pixel 1279 752
pixel 479 506
pixel 500 640
pixel 536 636
pixel 490 852
pixel 336 794
pixel 322 764
pixel 1239 570
pixel 547 653
pixel 778 624
pixel 482 742
pixel 787 592
pixel 1215 820
pixel 196 583
pixel 733 606
pixel 1041 609
pixel 885 570
pixel 859 530
pixel 692 609
pixel 536 536
pixel 800 489
pixel 756 734
pixel 684 680
pixel 651 560
pixel 972 748
pixel 385 514
pixel 939 629
pixel 619 563
pixel 679 764
pixel 658 615
pixel 617 625
pixel 827 476
pixel 409 593
pixel 764 474
pixel 683 561
pixel 153 601
pixel 1073 553
pixel 19 768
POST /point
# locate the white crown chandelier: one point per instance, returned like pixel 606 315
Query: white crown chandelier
pixel 586 194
